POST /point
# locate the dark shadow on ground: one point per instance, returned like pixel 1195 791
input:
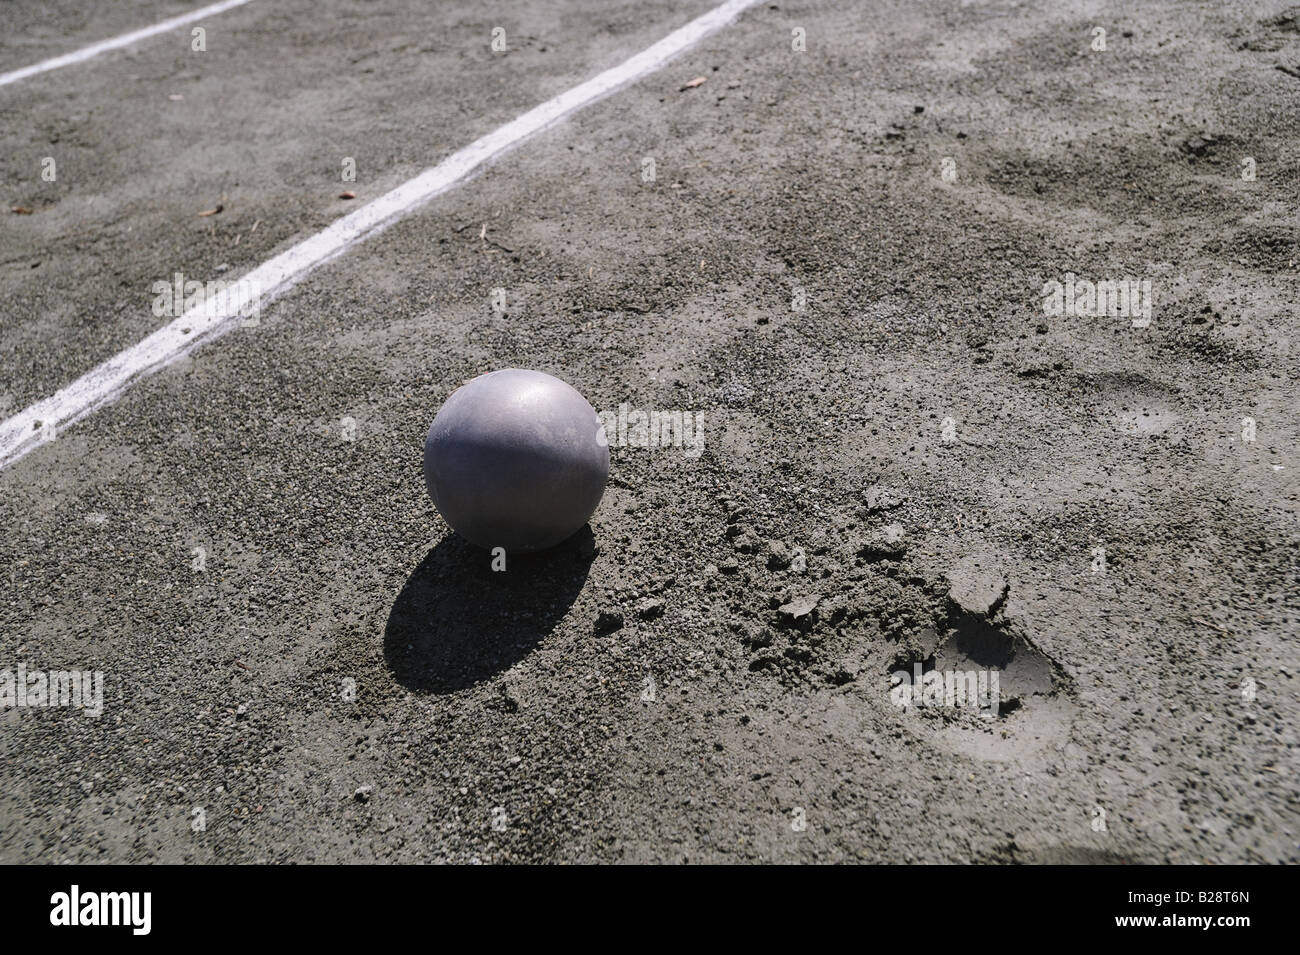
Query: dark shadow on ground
pixel 457 622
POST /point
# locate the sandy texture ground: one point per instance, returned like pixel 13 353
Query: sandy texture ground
pixel 839 267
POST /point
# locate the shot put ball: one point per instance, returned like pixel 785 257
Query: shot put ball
pixel 515 459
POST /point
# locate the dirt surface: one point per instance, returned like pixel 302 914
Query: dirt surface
pixel 907 461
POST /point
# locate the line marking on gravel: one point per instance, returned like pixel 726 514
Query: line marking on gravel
pixel 117 42
pixel 103 384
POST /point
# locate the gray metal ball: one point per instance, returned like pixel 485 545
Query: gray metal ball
pixel 513 460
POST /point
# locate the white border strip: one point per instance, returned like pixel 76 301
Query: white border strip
pixel 117 42
pixel 42 421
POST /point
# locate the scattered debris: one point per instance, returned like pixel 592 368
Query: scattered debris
pixel 691 84
pixel 650 608
pixel 1197 145
pixel 977 587
pixel 881 497
pixel 212 212
pixel 798 612
pixel 886 543
pixel 778 555
pixel 753 634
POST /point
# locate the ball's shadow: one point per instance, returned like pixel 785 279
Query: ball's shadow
pixel 457 622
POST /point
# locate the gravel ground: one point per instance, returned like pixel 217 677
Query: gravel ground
pixel 838 270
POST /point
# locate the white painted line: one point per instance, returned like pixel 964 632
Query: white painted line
pixel 28 429
pixel 117 42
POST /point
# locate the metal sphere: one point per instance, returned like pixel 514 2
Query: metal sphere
pixel 516 459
